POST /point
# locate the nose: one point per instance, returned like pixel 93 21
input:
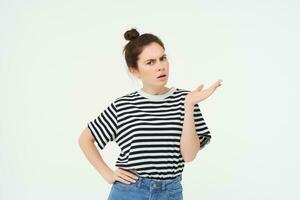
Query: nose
pixel 161 68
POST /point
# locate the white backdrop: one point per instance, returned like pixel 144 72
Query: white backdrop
pixel 61 63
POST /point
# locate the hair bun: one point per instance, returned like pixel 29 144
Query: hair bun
pixel 131 34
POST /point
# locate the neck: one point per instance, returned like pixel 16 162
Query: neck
pixel 156 91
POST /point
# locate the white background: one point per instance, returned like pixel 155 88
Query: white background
pixel 61 63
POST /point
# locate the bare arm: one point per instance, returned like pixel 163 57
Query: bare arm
pixel 189 142
pixel 86 143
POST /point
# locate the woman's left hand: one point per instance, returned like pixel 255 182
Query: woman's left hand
pixel 199 94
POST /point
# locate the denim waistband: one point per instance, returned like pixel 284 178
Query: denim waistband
pixel 156 183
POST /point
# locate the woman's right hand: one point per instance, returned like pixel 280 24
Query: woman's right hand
pixel 123 176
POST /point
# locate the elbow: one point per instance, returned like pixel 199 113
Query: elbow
pixel 85 138
pixel 80 140
pixel 189 159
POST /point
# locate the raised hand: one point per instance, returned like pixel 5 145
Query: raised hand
pixel 199 94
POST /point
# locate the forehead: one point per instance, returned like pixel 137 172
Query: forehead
pixel 151 51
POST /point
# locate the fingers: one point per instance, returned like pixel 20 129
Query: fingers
pixel 129 174
pixel 122 180
pixel 200 87
pixel 216 84
pixel 219 82
pixel 211 89
pixel 126 176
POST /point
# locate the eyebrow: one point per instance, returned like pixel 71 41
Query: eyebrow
pixel 154 59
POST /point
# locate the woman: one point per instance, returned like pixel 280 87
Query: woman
pixel 157 128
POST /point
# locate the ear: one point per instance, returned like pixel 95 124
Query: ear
pixel 134 71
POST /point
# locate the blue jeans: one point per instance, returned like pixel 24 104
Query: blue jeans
pixel 148 189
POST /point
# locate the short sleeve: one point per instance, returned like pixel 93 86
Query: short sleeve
pixel 104 126
pixel 201 127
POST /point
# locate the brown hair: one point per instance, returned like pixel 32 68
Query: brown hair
pixel 136 45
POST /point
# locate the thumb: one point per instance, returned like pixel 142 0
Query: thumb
pixel 200 87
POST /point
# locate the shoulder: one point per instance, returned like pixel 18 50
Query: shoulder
pixel 127 97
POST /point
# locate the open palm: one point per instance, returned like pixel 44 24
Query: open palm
pixel 199 94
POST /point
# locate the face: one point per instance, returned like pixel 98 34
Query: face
pixel 152 62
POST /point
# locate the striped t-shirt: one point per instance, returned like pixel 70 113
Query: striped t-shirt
pixel 147 128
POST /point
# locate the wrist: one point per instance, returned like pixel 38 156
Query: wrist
pixel 188 104
pixel 108 175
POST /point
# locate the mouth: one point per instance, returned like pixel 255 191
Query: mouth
pixel 162 76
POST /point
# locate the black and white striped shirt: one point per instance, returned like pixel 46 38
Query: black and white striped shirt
pixel 148 128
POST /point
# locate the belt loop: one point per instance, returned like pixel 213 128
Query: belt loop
pixel 163 185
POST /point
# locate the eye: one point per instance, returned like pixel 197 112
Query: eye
pixel 164 58
pixel 149 62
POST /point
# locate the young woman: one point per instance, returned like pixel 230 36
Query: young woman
pixel 157 128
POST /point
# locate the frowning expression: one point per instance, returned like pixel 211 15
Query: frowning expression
pixel 152 63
